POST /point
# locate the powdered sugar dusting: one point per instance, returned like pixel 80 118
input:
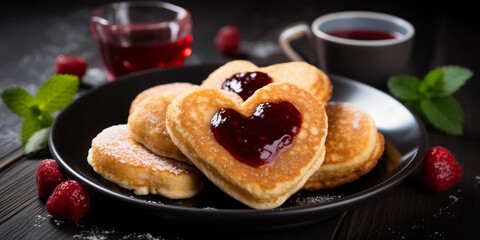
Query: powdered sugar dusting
pixel 154 119
pixel 355 122
pixel 447 211
pixel 356 112
pixel 209 208
pixel 477 179
pixel 316 199
pixel 40 219
pixel 142 236
pixel 454 199
pixel 95 233
pixel 116 142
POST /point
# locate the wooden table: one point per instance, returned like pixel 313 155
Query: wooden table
pixel 33 34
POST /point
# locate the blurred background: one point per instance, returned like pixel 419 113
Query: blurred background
pixel 34 33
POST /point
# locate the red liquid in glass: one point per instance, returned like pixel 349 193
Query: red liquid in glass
pixel 361 34
pixel 120 60
pixel 258 139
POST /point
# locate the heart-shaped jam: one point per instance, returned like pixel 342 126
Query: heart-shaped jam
pixel 246 83
pixel 258 139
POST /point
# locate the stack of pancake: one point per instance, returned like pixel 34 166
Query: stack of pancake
pixel 167 145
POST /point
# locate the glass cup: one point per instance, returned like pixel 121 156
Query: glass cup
pixel 135 36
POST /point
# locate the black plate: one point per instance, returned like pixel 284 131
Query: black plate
pixel 79 123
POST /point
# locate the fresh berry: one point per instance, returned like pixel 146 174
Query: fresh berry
pixel 440 170
pixel 228 40
pixel 70 65
pixel 48 177
pixel 69 200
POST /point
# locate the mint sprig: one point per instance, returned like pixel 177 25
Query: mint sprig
pixel 53 95
pixel 431 98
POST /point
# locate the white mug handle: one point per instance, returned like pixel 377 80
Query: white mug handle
pixel 292 33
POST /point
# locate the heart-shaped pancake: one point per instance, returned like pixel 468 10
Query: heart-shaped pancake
pixel 301 74
pixel 292 152
pixel 146 121
pixel 353 146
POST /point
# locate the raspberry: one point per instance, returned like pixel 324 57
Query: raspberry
pixel 228 40
pixel 70 65
pixel 440 170
pixel 48 177
pixel 69 200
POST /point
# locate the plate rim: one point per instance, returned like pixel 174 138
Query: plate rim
pixel 349 201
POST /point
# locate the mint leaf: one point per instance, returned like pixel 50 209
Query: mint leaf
pixel 38 141
pixel 18 100
pixel 57 92
pixel 53 95
pixel 431 98
pixel 444 113
pixel 405 87
pixel 45 119
pixel 432 84
pixel 35 110
pixel 454 77
pixel 30 125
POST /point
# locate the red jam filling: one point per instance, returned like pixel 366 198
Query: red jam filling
pixel 258 139
pixel 245 84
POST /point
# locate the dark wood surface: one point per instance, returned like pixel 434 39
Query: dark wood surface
pixel 33 34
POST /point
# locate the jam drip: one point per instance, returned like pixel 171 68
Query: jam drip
pixel 245 84
pixel 258 139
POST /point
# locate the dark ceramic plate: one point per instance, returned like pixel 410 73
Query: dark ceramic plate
pixel 79 123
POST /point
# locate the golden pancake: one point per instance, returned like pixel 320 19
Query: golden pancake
pixel 301 74
pixel 168 90
pixel 146 121
pixel 190 118
pixel 353 146
pixel 116 156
